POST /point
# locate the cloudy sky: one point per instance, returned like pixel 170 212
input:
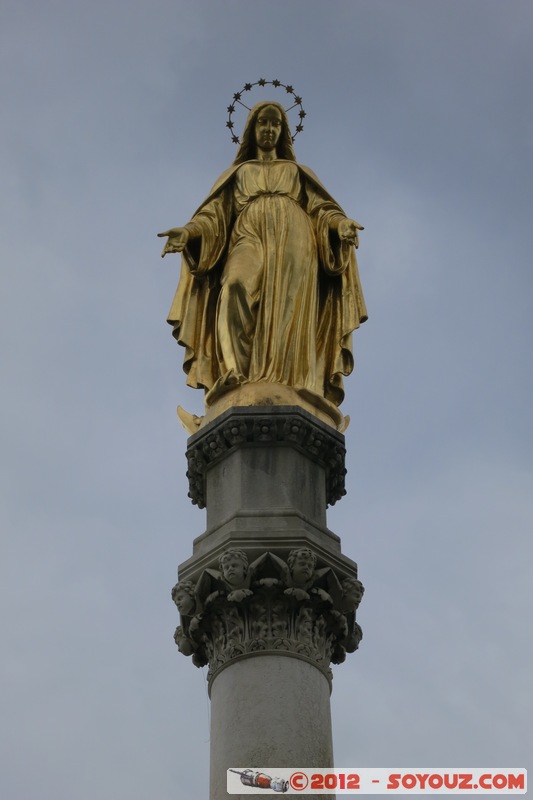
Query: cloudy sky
pixel 420 123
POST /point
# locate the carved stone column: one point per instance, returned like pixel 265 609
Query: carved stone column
pixel 267 601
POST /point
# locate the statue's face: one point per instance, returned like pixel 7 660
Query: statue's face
pixel 233 570
pixel 303 567
pixel 352 596
pixel 184 602
pixel 268 128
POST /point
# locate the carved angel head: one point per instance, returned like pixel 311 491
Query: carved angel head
pixel 183 596
pixel 302 563
pixel 233 564
pixel 352 593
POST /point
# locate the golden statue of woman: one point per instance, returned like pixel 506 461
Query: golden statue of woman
pixel 269 292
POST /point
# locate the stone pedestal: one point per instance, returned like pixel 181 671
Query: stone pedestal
pixel 267 599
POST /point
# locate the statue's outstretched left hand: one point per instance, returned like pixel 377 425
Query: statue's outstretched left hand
pixel 348 231
pixel 177 240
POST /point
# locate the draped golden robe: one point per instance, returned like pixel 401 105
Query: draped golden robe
pixel 268 292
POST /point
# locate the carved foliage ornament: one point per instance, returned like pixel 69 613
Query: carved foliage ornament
pixel 272 605
pixel 325 448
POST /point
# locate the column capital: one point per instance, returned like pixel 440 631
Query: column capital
pixel 296 605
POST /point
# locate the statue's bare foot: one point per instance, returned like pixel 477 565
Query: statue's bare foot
pixel 230 380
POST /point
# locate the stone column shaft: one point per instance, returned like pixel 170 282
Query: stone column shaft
pixel 268 711
pixel 267 599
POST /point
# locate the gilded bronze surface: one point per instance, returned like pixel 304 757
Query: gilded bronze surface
pixel 269 292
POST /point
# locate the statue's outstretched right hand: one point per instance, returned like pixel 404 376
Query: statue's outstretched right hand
pixel 177 240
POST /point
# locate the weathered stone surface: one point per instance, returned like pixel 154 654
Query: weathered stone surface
pixel 269 492
pixel 250 430
pixel 267 600
pixel 270 711
pixel 271 605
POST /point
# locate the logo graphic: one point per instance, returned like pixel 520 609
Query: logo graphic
pixel 337 781
pixel 262 781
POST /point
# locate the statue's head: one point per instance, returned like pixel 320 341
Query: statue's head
pixel 352 593
pixel 256 126
pixel 183 596
pixel 234 566
pixel 185 645
pixel 302 563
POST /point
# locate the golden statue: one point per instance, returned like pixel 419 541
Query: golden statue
pixel 269 292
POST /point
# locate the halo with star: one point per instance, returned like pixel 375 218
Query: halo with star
pixel 237 100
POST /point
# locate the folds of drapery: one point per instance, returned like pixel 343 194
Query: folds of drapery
pixel 340 306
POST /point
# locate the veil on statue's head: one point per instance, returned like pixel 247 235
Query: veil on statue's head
pixel 247 148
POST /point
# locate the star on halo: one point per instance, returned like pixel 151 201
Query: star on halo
pixel 237 99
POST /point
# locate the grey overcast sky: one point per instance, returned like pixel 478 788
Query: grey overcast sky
pixel 420 123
